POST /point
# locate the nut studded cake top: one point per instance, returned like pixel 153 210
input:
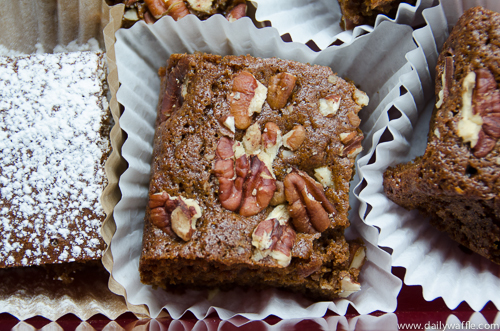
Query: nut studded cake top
pixel 53 145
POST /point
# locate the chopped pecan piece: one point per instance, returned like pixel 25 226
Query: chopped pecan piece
pixel 280 89
pixel 329 105
pixel 274 237
pixel 174 214
pixel 294 138
pixel 309 208
pixel 247 97
pixel 352 146
pixel 237 12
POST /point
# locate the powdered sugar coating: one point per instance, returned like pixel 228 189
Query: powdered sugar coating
pixel 53 118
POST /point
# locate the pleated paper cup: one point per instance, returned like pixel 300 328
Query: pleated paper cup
pixel 432 260
pixel 319 20
pixel 141 50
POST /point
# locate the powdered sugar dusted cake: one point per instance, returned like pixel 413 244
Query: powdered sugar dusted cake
pixel 54 141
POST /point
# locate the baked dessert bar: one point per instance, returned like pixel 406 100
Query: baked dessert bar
pixel 152 10
pixel 457 180
pixel 359 12
pixel 54 142
pixel 250 177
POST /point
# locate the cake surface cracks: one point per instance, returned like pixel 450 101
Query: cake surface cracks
pixel 52 115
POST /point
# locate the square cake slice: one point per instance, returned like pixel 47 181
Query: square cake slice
pixel 250 177
pixel 457 180
pixel 53 143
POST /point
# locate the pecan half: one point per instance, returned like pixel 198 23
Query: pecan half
pixel 176 8
pixel 480 118
pixel 157 8
pixel 274 237
pixel 258 188
pixel 309 208
pixel 172 100
pixel 247 97
pixel 246 185
pixel 174 214
pixel 280 89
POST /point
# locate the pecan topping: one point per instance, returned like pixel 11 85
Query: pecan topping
pixel 279 195
pixel 246 185
pixel 247 97
pixel 329 105
pixel 258 189
pixel 280 89
pixel 174 214
pixel 352 143
pixel 159 8
pixel 480 120
pixel 201 5
pixel 172 100
pixel 309 208
pixel 294 138
pixel 274 237
pixel 237 12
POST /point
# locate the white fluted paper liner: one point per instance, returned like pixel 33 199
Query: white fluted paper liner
pixel 142 49
pixel 430 257
pixel 319 20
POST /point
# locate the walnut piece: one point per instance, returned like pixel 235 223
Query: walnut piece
pixel 247 97
pixel 309 208
pixel 174 214
pixel 274 237
pixel 294 138
pixel 280 89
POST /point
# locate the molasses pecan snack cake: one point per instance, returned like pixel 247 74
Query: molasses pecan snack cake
pixel 456 181
pixel 54 142
pixel 250 177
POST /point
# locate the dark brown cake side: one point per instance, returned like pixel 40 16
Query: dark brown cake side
pixel 457 180
pixel 239 140
pixel 358 12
